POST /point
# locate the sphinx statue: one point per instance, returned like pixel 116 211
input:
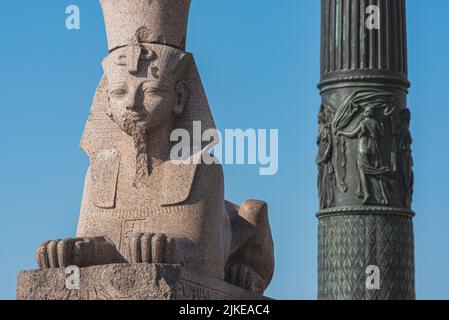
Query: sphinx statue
pixel 138 205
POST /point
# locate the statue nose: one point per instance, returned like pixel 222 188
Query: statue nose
pixel 131 106
pixel 131 101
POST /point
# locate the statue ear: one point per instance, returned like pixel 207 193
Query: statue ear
pixel 181 97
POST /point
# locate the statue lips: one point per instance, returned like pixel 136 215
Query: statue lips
pixel 137 116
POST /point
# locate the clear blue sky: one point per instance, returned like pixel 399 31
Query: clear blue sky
pixel 259 60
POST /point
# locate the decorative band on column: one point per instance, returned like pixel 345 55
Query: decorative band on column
pixel 365 210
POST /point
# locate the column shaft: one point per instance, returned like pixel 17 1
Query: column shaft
pixel 365 161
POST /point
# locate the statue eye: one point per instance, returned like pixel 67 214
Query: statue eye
pixel 119 92
pixel 151 91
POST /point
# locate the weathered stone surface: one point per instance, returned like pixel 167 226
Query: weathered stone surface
pixel 128 282
pixel 140 205
pixel 163 22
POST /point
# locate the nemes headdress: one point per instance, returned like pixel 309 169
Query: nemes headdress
pixel 152 34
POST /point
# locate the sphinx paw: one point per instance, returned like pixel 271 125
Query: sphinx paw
pixel 244 277
pixel 63 253
pixel 153 248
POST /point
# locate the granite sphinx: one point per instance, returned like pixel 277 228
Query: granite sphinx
pixel 139 206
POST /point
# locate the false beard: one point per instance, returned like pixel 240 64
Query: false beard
pixel 143 161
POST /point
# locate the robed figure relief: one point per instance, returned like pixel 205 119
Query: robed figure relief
pixel 362 117
pixel 402 158
pixel 326 172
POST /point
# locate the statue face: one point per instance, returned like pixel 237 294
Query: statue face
pixel 139 102
pixel 368 112
pixel 324 116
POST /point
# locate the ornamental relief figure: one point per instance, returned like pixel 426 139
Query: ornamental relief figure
pixel 362 116
pixel 402 156
pixel 382 176
pixel 370 169
pixel 326 171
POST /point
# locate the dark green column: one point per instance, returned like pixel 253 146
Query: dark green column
pixel 365 161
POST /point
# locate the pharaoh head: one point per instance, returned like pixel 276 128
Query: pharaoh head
pixel 151 85
pixel 146 86
pixel 146 65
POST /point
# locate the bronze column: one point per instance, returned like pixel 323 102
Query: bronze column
pixel 366 248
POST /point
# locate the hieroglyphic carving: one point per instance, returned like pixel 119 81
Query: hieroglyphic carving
pixel 129 282
pixel 190 291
